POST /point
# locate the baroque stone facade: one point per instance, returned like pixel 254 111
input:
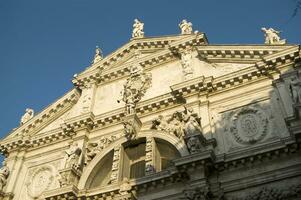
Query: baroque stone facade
pixel 170 117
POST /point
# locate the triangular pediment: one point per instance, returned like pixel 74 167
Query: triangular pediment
pixel 160 55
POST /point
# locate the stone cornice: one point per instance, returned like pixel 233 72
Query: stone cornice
pixel 197 85
pixel 53 110
pixel 105 72
pixel 240 53
pixel 255 153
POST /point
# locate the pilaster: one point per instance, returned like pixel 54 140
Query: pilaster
pixel 115 176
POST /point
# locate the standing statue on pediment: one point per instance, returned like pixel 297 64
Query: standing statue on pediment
pixel 295 89
pixel 138 29
pixel 72 156
pixel 29 113
pixel 186 27
pixel 272 36
pixel 4 173
pixel 98 55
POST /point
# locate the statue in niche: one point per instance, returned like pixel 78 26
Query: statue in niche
pixel 98 55
pixel 295 90
pixel 186 27
pixel 272 36
pixel 186 59
pixel 29 113
pixel 72 156
pixel 138 29
pixel 135 86
pixel 4 173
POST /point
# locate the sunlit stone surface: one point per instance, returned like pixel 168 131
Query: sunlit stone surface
pixel 168 117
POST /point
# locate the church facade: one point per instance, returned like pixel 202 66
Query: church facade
pixel 166 118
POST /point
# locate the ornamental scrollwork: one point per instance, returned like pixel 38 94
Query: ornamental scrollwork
pixel 249 125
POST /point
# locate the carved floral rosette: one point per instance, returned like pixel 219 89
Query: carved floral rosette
pixel 40 180
pixel 249 125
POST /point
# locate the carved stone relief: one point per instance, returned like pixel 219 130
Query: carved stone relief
pixel 136 86
pixel 40 180
pixel 87 99
pixel 295 89
pixel 149 162
pixel 72 156
pixel 249 125
pixel 4 173
pixel 180 123
pixel 115 165
pixel 93 148
pixel 186 61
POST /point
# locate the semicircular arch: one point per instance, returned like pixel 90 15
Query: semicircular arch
pixel 173 140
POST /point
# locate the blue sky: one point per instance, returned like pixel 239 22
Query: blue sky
pixel 43 43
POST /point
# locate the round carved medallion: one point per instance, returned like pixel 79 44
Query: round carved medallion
pixel 249 125
pixel 40 181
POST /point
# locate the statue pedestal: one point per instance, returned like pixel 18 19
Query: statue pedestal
pixel 69 176
pixel 128 196
pixel 197 143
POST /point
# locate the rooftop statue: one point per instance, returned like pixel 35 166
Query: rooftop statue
pixel 272 36
pixel 138 29
pixel 27 116
pixel 186 27
pixel 98 55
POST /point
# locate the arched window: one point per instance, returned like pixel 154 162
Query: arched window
pixel 102 172
pixel 134 156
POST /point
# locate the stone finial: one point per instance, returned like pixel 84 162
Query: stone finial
pixel 186 27
pixel 138 29
pixel 29 113
pixel 98 55
pixel 272 36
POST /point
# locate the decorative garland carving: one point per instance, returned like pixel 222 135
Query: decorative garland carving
pixel 249 125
